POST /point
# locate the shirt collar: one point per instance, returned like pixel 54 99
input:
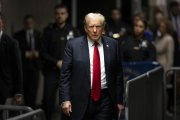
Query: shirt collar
pixel 30 31
pixel 91 42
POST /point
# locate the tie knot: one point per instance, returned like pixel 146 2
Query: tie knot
pixel 96 44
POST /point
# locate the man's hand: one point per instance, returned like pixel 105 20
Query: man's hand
pixel 36 54
pixel 59 64
pixel 120 108
pixel 29 54
pixel 66 107
pixel 18 99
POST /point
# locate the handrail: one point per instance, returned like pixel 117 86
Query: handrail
pixel 15 108
pixel 35 114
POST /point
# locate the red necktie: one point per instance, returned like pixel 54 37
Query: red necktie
pixel 96 79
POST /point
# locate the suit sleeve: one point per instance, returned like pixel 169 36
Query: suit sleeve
pixel 64 84
pixel 119 78
pixel 16 68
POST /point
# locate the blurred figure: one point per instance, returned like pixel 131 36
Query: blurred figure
pixel 10 68
pixel 158 17
pixel 148 34
pixel 29 41
pixel 54 39
pixel 116 27
pixel 137 47
pixel 174 16
pixel 165 45
pixel 165 55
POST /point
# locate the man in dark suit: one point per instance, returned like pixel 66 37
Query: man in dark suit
pixel 91 85
pixel 10 68
pixel 116 27
pixel 29 41
pixel 54 39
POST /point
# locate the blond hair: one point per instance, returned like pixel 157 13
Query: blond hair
pixel 94 16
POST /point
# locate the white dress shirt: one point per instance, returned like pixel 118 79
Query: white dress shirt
pixel 101 53
pixel 30 38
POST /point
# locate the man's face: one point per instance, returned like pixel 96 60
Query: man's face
pixel 139 28
pixel 29 23
pixel 61 15
pixel 116 15
pixel 94 28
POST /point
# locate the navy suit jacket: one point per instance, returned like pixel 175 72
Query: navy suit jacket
pixel 75 81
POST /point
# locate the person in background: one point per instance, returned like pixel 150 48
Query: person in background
pixel 29 41
pixel 91 85
pixel 137 47
pixel 165 45
pixel 158 17
pixel 116 28
pixel 165 54
pixel 54 39
pixel 10 68
pixel 174 16
pixel 148 34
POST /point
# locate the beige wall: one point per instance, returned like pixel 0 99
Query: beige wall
pixel 14 11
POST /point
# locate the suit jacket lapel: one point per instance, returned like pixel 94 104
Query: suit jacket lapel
pixel 85 55
pixel 2 45
pixel 106 48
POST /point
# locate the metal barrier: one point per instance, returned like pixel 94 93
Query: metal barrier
pixel 174 70
pixel 155 90
pixel 7 109
pixel 133 110
pixel 145 96
pixel 33 115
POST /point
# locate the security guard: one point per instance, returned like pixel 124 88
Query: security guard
pixel 137 47
pixel 116 28
pixel 54 39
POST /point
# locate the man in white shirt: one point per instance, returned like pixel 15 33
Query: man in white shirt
pixel 91 85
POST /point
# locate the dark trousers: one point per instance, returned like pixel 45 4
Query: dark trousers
pixel 101 110
pixel 30 84
pixel 51 80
